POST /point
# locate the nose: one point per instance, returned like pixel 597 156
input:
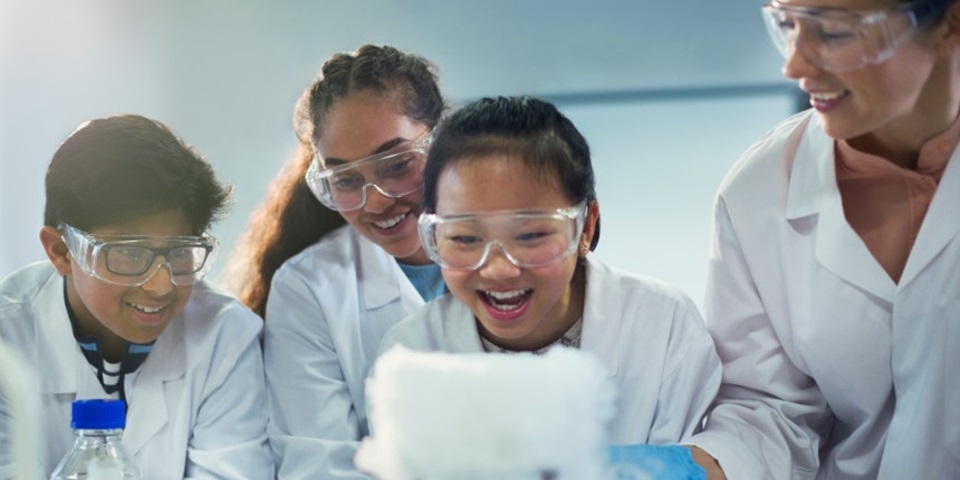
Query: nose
pixel 160 282
pixel 376 201
pixel 798 64
pixel 496 264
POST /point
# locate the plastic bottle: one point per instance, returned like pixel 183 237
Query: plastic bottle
pixel 97 453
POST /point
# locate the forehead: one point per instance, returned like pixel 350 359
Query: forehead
pixel 357 125
pixel 497 182
pixel 169 223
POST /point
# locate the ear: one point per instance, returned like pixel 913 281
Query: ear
pixel 589 227
pixel 950 41
pixel 56 249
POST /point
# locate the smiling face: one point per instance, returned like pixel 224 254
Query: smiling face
pixel 356 127
pixel 517 308
pixel 903 97
pixel 117 314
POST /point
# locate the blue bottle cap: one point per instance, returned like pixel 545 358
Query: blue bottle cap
pixel 98 414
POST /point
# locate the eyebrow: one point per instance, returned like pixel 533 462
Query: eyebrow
pixel 385 146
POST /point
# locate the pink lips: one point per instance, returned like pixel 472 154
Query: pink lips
pixel 501 315
pixel 824 106
pixel 149 318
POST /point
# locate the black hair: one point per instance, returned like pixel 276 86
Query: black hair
pixel 526 128
pixel 930 12
pixel 115 169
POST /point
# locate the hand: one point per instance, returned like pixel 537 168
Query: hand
pixel 656 462
pixel 708 463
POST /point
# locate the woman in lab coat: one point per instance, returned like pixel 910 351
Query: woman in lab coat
pixel 511 215
pixel 834 287
pixel 364 126
pixel 120 310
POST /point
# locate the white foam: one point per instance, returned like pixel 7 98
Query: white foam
pixel 487 416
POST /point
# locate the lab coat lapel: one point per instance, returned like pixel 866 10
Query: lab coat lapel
pixel 941 224
pixel 381 278
pixel 602 319
pixel 148 403
pixel 813 190
pixel 460 331
pixel 57 354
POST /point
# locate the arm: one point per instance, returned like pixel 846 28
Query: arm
pixel 229 438
pixel 691 378
pixel 769 415
pixel 314 429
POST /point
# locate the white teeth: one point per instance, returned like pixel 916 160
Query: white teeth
pixel 513 295
pixel 145 309
pixel 390 222
pixel 827 96
pixel 505 295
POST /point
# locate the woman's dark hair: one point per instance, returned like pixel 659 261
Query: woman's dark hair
pixel 291 218
pixel 116 169
pixel 930 12
pixel 526 128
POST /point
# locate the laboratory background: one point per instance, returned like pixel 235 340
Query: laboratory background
pixel 668 94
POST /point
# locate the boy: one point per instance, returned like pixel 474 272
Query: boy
pixel 120 311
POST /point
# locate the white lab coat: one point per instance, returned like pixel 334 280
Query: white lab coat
pixel 196 404
pixel 648 335
pixel 829 366
pixel 328 309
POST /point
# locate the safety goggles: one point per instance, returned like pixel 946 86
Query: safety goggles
pixel 528 239
pixel 395 173
pixel 838 39
pixel 131 260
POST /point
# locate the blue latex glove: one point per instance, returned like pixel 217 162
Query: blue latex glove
pixel 654 462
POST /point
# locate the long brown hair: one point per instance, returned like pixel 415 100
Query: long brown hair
pixel 290 218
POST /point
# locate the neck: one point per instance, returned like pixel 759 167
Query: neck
pixel 418 258
pixel 112 347
pixel 934 111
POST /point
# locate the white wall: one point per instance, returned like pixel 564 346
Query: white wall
pixel 224 74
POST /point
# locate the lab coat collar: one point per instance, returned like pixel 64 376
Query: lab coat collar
pixel 813 191
pixel 941 224
pixel 381 278
pixel 59 361
pixel 66 371
pixel 812 170
pixel 148 404
pixel 459 326
pixel 602 318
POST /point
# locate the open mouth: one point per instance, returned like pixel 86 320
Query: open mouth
pixel 506 302
pixel 827 96
pixel 146 309
pixel 825 101
pixel 390 224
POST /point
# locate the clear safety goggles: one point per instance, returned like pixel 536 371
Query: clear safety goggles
pixel 131 260
pixel 839 40
pixel 395 173
pixel 528 239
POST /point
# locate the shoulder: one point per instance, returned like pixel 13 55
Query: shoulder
pixel 25 283
pixel 425 329
pixel 768 161
pixel 632 290
pixel 323 261
pixel 213 313
pixel 19 290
